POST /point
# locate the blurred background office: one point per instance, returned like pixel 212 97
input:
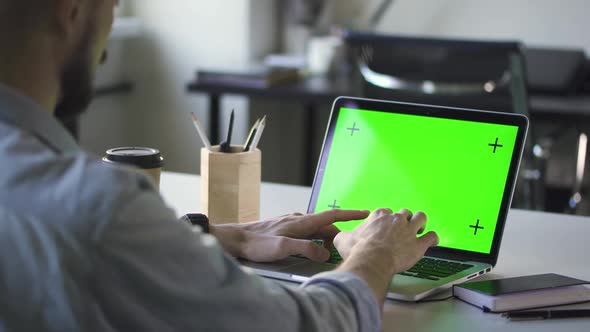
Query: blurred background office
pixel 158 46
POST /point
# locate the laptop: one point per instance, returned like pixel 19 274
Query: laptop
pixel 459 166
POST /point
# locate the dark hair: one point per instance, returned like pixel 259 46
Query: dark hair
pixel 19 18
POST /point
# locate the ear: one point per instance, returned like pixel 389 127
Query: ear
pixel 67 13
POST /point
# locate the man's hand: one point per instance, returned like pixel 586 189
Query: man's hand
pixel 393 236
pixel 383 245
pixel 278 238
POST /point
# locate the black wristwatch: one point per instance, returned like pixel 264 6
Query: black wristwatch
pixel 197 219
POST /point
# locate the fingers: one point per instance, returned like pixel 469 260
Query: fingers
pixel 327 232
pixel 304 247
pixel 428 240
pixel 407 214
pixel 383 211
pixel 331 216
pixel 344 242
pixel 419 222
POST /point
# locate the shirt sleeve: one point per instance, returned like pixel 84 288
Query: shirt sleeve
pixel 157 274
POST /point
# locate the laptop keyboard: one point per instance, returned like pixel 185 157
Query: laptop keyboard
pixel 335 257
pixel 435 269
pixel 426 268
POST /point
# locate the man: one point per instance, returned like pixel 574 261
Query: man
pixel 88 247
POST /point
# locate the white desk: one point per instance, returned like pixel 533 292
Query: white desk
pixel 534 242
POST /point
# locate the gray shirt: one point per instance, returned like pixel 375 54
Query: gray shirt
pixel 84 246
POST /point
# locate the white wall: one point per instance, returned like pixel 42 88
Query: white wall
pixel 555 23
pixel 103 125
pixel 179 36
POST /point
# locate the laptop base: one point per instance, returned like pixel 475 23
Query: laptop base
pixel 404 288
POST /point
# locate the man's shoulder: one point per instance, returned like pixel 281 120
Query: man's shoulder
pixel 75 190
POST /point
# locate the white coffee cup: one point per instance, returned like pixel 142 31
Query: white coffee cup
pixel 147 160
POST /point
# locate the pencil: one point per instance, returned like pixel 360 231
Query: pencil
pixel 258 135
pixel 251 135
pixel 201 132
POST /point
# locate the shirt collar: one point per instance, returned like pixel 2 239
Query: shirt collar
pixel 26 114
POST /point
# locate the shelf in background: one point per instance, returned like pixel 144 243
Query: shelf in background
pixel 119 88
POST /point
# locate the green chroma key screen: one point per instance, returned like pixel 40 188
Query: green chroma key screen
pixel 453 170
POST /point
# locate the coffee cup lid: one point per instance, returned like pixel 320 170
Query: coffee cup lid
pixel 145 158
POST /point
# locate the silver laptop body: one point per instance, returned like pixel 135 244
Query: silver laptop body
pixel 480 257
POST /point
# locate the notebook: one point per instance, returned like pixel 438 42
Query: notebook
pixel 526 292
pixel 459 166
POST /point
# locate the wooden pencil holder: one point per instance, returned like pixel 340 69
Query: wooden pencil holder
pixel 230 185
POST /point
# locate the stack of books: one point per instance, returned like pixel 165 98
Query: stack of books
pixel 254 76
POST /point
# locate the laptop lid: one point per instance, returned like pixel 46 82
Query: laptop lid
pixel 459 166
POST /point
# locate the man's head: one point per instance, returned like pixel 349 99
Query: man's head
pixel 72 33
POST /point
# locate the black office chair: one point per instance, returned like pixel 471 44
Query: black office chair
pixel 486 75
pixel 561 73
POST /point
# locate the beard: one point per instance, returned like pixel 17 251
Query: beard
pixel 76 84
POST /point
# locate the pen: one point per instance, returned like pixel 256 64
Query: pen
pixel 547 314
pixel 201 131
pixel 251 135
pixel 259 131
pixel 226 145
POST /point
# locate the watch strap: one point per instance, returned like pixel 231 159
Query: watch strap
pixel 197 219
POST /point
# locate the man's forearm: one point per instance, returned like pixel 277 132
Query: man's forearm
pixel 187 270
pixel 376 274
